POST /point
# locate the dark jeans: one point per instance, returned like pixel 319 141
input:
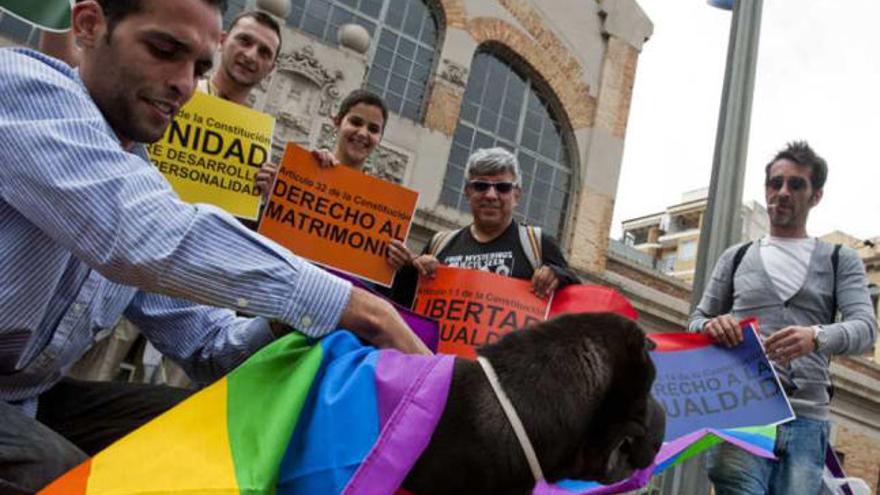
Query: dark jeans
pixel 75 419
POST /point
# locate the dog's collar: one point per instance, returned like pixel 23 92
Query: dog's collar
pixel 512 418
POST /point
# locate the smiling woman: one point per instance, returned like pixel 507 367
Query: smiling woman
pixel 359 125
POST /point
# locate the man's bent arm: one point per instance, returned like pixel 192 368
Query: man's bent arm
pixel 64 171
pixel 857 330
pixel 206 342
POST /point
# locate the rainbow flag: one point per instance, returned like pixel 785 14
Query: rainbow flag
pixel 335 416
pixel 299 417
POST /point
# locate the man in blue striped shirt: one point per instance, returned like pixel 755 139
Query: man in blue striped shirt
pixel 90 230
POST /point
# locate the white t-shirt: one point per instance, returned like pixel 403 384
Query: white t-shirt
pixel 786 261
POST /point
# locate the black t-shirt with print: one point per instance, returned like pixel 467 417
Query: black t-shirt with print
pixel 503 255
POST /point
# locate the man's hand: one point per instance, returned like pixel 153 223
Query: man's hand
pixel 544 281
pixel 725 330
pixel 790 343
pixel 398 254
pixel 376 321
pixel 426 265
pixel 264 178
pixel 325 157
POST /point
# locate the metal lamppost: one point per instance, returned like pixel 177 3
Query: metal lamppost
pixel 722 221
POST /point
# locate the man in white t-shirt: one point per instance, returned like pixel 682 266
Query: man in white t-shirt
pixel 795 285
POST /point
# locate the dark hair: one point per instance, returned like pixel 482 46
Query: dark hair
pixel 365 97
pixel 117 10
pixel 261 18
pixel 801 153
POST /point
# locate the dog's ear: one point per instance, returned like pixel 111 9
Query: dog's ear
pixel 630 445
pixel 611 455
pixel 622 456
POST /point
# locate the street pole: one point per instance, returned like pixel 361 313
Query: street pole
pixel 722 221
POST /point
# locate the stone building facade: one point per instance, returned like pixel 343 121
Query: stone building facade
pixel 551 81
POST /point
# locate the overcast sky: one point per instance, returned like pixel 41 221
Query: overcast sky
pixel 818 78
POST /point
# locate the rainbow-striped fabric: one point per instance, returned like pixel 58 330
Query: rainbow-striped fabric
pixel 757 440
pixel 299 417
pixel 332 416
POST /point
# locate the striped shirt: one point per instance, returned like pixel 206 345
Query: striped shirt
pixel 89 231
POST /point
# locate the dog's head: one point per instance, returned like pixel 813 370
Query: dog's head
pixel 581 384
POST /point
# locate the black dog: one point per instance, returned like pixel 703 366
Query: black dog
pixel 581 386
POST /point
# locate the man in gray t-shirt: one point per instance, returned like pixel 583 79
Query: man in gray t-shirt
pixel 795 285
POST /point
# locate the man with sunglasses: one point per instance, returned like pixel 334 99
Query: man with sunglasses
pixel 795 285
pixel 494 242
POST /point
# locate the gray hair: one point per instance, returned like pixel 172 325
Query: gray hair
pixel 492 161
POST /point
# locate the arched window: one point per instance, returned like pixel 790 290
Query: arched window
pixel 404 34
pixel 503 107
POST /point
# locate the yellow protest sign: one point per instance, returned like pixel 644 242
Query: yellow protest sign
pixel 211 152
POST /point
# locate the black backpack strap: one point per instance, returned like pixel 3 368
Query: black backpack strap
pixel 835 260
pixel 737 259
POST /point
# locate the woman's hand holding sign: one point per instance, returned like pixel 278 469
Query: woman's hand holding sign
pixel 325 157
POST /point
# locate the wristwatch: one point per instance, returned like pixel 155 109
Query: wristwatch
pixel 820 338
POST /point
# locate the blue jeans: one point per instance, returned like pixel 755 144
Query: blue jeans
pixel 800 449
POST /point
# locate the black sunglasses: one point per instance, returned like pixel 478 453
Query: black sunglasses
pixel 482 186
pixel 794 183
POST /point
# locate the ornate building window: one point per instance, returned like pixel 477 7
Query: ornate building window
pixel 405 37
pixel 233 8
pixel 503 107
